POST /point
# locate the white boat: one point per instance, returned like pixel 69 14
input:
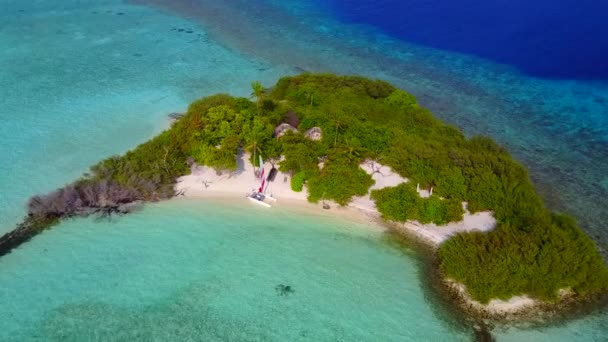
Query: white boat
pixel 270 198
pixel 259 198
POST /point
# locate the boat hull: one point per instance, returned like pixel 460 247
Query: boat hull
pixel 257 201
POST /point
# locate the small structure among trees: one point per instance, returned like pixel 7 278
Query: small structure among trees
pixel 281 129
pixel 314 134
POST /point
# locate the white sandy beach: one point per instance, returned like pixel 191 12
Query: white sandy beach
pixel 206 182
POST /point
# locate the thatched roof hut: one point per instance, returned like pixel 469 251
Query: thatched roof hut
pixel 281 129
pixel 314 134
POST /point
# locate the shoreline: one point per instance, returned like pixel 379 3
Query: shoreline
pixel 515 309
pixel 589 213
pixel 207 183
pixel 300 207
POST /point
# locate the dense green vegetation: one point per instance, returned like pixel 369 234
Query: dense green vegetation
pixel 531 251
pixel 297 181
pixel 536 260
pixel 402 203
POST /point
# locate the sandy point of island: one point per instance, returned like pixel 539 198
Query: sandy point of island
pixel 206 182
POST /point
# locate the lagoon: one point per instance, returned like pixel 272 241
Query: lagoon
pixel 80 81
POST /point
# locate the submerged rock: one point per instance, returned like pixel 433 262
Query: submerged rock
pixel 175 116
pixel 284 290
pixel 482 334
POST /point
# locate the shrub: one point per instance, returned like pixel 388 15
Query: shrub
pixel 340 180
pixel 297 181
pixel 400 98
pixel 402 203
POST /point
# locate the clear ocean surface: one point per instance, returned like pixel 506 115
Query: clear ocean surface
pixel 82 80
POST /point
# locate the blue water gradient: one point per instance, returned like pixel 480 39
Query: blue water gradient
pixel 545 38
pixel 557 128
pixel 83 79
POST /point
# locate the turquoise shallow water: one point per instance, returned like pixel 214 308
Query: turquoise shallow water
pixel 558 128
pixel 81 80
pixel 200 270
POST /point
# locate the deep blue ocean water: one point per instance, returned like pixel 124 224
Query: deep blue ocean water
pixel 558 127
pixel 82 79
pixel 544 38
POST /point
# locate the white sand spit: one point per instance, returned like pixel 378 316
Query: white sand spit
pixel 481 221
pixel 514 305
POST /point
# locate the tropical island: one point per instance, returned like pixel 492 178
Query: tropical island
pixel 329 137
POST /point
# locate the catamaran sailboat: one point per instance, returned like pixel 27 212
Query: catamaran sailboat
pixel 259 196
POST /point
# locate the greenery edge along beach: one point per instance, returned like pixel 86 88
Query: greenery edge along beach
pixel 529 255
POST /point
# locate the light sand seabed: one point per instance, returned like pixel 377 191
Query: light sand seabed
pixel 205 182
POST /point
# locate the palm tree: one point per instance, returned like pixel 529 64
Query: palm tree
pixel 258 92
pixel 256 149
pixel 255 132
pixel 353 147
pixel 338 121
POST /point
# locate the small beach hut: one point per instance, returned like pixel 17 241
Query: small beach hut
pixel 281 129
pixel 314 134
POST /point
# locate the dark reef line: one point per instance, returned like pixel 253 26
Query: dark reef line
pixel 82 198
